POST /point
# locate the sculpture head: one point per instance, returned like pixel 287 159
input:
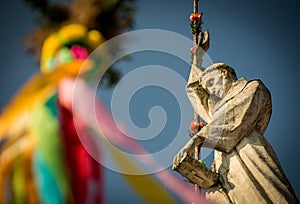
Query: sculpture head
pixel 218 79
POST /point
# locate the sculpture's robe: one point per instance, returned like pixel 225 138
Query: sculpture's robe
pixel 249 169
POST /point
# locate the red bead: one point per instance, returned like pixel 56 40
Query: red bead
pixel 196 126
pixel 201 124
pixel 194 16
pixel 191 17
pixel 193 49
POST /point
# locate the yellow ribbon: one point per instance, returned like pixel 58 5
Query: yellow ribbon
pixel 36 91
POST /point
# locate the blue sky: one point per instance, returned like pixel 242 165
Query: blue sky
pixel 259 39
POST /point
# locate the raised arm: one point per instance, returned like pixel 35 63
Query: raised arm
pixel 198 53
pixel 197 95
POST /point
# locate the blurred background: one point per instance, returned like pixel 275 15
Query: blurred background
pixel 260 39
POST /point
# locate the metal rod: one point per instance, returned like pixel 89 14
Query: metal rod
pixel 196 116
pixel 196 11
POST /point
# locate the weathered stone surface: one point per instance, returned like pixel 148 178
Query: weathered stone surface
pixel 196 173
pixel 237 113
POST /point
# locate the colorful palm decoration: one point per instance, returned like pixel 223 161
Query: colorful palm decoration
pixel 42 159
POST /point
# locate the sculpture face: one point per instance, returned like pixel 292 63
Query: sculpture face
pixel 217 82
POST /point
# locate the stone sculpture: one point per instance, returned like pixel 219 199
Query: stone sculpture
pixel 237 113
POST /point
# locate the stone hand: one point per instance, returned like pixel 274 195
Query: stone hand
pixel 203 40
pixel 201 48
pixel 188 149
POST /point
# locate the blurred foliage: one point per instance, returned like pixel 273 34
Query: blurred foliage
pixel 110 17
